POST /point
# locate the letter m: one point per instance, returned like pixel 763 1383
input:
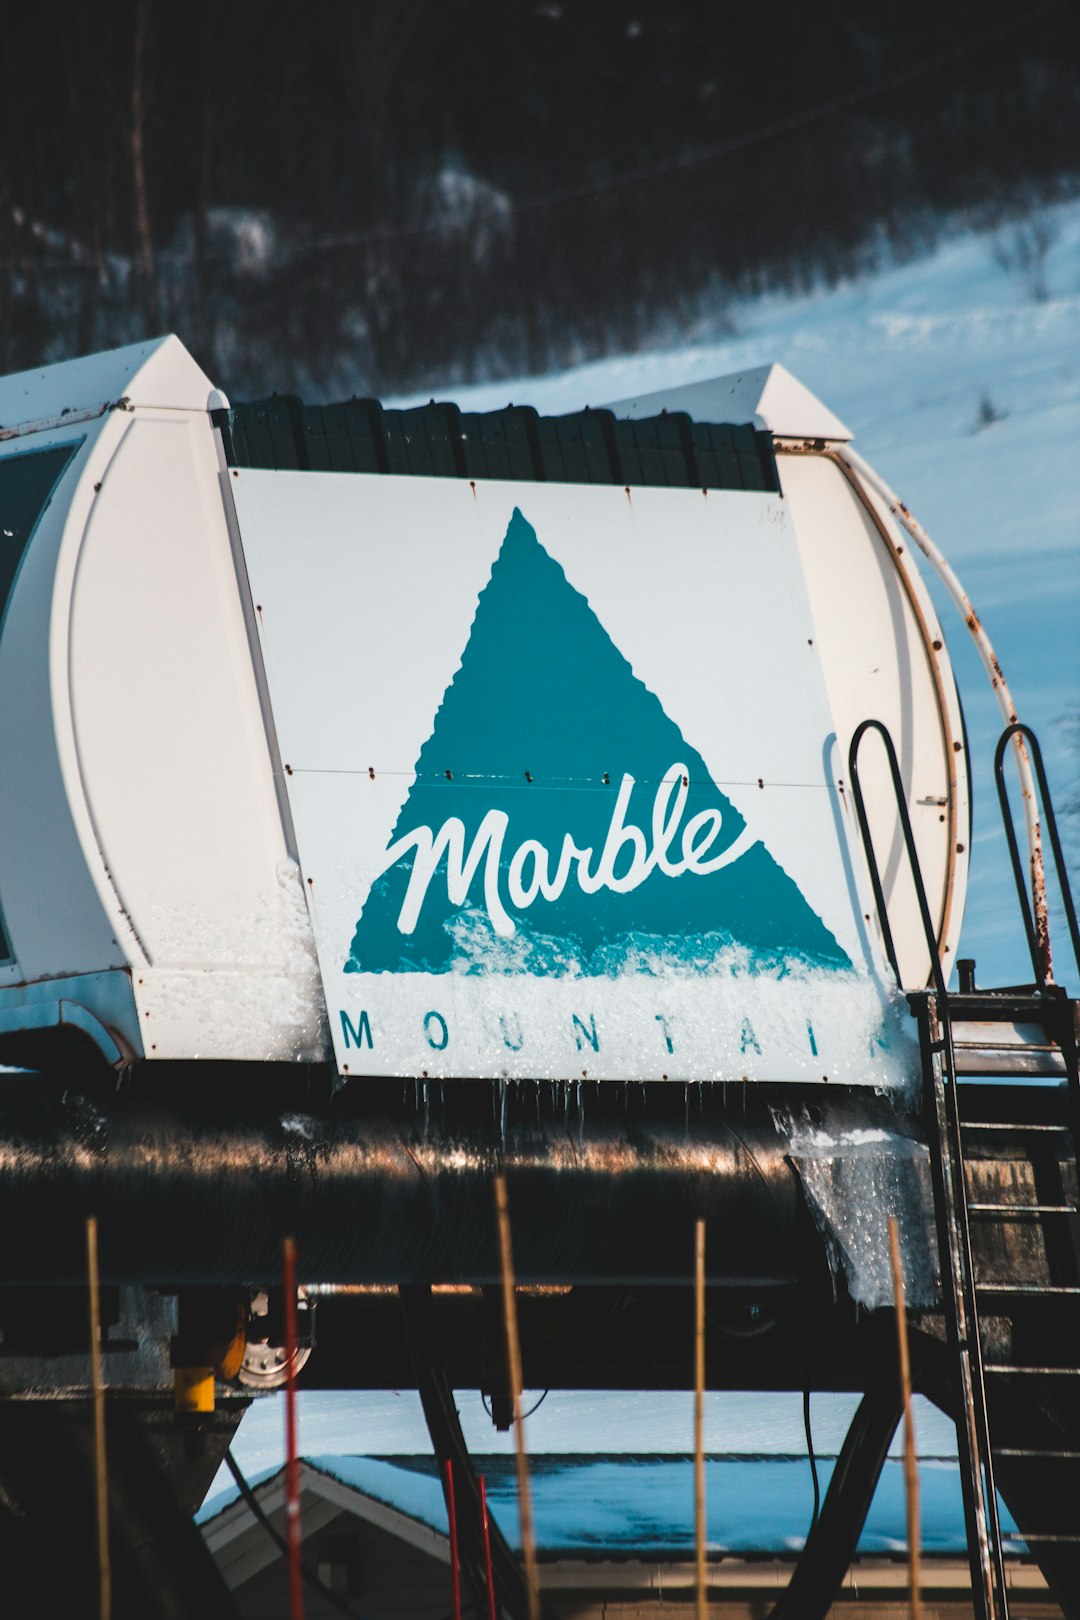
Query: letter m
pixel 356 1037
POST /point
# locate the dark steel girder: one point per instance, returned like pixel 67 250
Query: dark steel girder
pixel 199 1187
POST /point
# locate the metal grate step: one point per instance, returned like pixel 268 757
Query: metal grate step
pixel 1035 1451
pixel 1030 1290
pixel 1043 1372
pixel 1022 1209
pixel 1009 1125
pixel 1031 1536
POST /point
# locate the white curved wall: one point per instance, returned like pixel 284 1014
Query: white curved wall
pixel 877 632
pixel 141 841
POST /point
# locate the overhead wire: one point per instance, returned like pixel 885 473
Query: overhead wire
pixel 732 144
pixel 535 1407
pixel 815 1515
pixel 796 121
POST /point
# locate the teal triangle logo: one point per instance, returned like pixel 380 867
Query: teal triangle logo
pixel 559 821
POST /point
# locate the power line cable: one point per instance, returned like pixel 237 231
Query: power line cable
pixel 813 1460
pixel 735 143
pixel 534 1408
pixel 796 121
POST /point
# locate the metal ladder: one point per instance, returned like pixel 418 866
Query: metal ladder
pixel 988 1025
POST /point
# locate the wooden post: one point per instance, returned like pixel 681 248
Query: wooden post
pixel 292 1459
pixel 97 1382
pixel 911 1466
pixel 699 1417
pixel 513 1356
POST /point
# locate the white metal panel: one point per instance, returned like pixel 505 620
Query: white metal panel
pixel 173 763
pixel 402 620
pixel 768 395
pixel 61 911
pixel 876 631
pixel 159 372
pixel 140 827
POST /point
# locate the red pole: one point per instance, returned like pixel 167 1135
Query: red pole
pixel 292 1460
pixel 451 1508
pixel 487 1550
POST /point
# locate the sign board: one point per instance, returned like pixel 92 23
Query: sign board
pixel 558 760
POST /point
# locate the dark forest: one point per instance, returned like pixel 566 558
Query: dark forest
pixel 374 195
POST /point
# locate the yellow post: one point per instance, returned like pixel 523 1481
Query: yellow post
pixel 513 1356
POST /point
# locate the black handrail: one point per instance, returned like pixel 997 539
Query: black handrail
pixel 947 1157
pixel 909 845
pixel 1049 819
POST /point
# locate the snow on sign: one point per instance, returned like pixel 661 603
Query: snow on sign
pixel 557 763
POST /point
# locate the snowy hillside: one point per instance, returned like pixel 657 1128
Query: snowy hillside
pixel 959 374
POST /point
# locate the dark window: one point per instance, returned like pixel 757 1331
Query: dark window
pixel 338 1564
pixel 26 485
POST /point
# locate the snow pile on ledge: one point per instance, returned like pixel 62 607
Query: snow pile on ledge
pixel 855 1177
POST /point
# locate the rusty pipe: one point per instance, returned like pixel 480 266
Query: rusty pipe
pixel 189 1192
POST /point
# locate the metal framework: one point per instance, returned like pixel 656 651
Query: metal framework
pixel 950 1127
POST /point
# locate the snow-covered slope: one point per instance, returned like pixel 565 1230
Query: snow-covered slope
pixel 963 389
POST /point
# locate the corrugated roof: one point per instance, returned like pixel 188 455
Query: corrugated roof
pixel 440 441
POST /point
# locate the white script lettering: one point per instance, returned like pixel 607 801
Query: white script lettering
pixel 529 872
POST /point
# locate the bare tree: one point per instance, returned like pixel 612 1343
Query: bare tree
pixel 1024 252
